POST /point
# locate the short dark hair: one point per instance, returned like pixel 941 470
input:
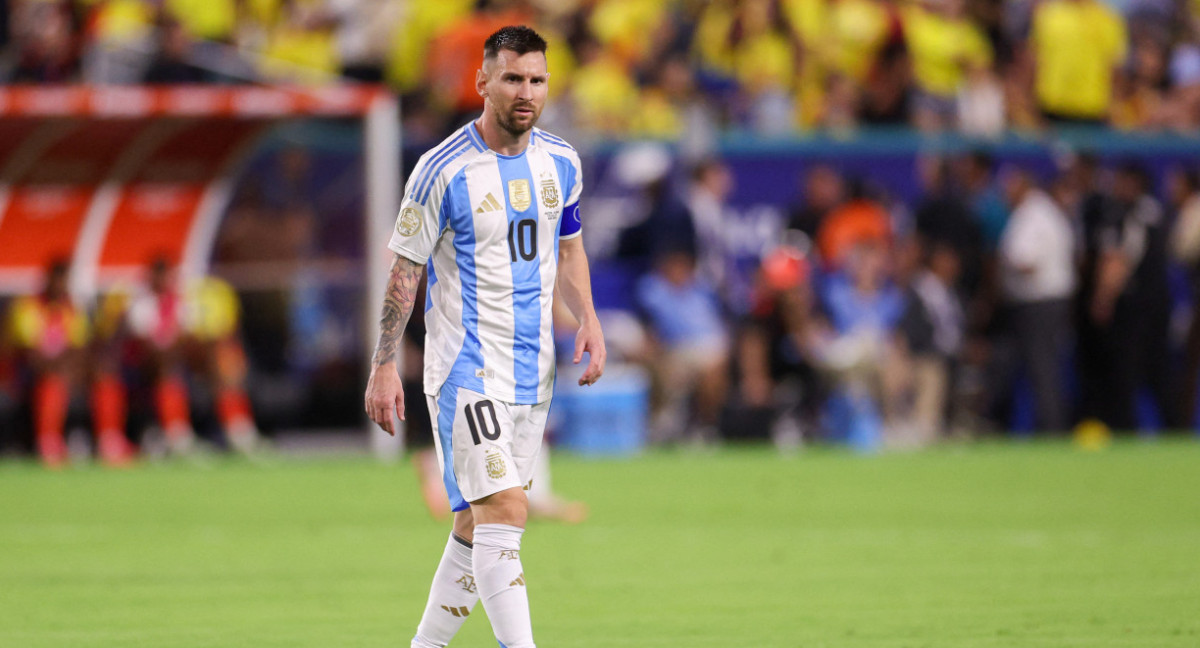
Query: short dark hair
pixel 518 38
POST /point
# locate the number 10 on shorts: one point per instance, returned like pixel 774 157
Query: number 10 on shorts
pixel 481 419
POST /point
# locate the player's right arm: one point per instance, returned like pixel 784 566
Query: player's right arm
pixel 413 238
pixel 385 394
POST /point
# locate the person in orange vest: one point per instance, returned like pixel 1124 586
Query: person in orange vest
pixel 51 335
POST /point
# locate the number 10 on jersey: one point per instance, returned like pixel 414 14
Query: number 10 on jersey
pixel 522 239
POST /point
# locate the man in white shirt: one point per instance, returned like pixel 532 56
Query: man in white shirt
pixel 1038 279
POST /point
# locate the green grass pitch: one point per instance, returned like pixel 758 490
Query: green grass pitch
pixel 1023 545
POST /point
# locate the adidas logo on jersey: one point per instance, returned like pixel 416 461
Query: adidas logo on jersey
pixel 489 204
pixel 519 582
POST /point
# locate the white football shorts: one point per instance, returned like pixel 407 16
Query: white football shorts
pixel 485 446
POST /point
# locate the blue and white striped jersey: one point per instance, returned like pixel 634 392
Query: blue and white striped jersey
pixel 488 226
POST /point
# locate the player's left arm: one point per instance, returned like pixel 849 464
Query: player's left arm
pixel 575 286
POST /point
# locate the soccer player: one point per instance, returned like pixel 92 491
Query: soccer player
pixel 494 210
pixel 52 336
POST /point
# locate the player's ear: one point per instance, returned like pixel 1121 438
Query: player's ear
pixel 481 83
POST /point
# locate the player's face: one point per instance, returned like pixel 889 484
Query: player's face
pixel 514 88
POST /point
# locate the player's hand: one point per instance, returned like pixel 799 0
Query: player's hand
pixel 385 395
pixel 590 340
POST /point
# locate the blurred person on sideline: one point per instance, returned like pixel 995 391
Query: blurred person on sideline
pixel 1077 48
pixel 934 326
pixel 1184 195
pixel 9 390
pixel 1037 279
pixel 775 343
pixel 690 357
pixel 51 335
pixel 984 197
pixel 859 219
pixel 217 354
pixel 1131 303
pixel 823 190
pixel 156 322
pixel 730 242
pixel 861 350
pixel 943 215
pixel 494 211
pixel 195 327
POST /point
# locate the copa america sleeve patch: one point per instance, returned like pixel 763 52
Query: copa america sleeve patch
pixel 570 222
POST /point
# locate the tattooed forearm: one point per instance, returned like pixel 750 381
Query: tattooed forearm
pixel 403 282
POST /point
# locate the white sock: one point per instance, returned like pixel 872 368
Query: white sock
pixel 451 597
pixel 501 580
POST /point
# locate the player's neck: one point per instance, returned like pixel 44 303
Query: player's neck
pixel 499 139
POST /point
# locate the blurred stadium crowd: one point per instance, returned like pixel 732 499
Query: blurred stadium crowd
pixel 663 69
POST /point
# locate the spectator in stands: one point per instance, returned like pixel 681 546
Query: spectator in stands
pixel 45 42
pixel 1184 72
pixel 1078 47
pixel 204 20
pixel 1141 101
pixel 1131 303
pixel 602 92
pixel 364 31
pixel 1037 277
pixel 300 45
pixel 172 61
pixel 453 57
pixel 885 95
pixel 763 54
pixel 669 107
pixel 946 48
pixel 690 357
pixel 51 334
pixel 120 33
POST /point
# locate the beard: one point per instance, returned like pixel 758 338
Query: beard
pixel 508 121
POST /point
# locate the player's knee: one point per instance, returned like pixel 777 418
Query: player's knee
pixel 509 507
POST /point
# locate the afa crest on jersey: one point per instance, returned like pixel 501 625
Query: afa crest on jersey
pixel 549 194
